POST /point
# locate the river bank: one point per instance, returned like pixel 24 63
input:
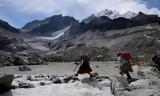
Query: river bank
pixel 148 82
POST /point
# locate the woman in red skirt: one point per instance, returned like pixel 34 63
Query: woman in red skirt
pixel 84 66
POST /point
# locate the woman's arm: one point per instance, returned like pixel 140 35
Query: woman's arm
pixel 79 63
pixel 82 61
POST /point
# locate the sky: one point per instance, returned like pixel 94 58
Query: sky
pixel 19 12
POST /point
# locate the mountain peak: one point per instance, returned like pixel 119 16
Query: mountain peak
pixel 109 13
pixel 112 14
pixel 5 25
pixel 129 14
pixel 49 25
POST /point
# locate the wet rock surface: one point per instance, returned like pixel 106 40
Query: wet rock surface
pixel 25 85
pixel 24 68
pixel 5 82
pixel 121 86
pixel 44 80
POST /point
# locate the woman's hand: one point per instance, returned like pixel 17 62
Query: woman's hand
pixel 76 63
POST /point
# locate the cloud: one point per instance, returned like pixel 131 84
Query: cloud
pixel 6 19
pixel 79 8
pixel 151 3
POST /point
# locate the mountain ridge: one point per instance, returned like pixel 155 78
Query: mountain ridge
pixel 7 26
pixel 48 25
pixel 104 23
pixel 93 35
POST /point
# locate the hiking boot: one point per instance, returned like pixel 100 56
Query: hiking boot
pixel 129 78
pixel 76 75
pixel 91 76
pixel 121 73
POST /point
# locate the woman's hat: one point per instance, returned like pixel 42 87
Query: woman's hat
pixel 118 54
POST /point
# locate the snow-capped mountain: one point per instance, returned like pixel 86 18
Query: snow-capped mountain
pixel 109 13
pixel 129 14
pixel 112 14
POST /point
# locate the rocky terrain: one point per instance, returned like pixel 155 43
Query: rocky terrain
pixel 14 49
pixel 48 25
pixel 32 55
pixel 62 38
pixel 145 81
pixel 113 35
pixel 5 25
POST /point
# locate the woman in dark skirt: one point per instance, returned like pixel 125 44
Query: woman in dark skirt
pixel 84 66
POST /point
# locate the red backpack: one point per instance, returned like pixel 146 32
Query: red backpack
pixel 126 55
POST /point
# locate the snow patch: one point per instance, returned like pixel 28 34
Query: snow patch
pixel 112 14
pixel 109 13
pixel 54 35
pixel 51 38
pixel 128 15
pixel 37 42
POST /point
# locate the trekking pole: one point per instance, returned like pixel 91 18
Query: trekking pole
pixel 75 68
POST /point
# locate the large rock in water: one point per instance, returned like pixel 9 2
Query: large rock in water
pixel 24 68
pixel 118 85
pixel 6 82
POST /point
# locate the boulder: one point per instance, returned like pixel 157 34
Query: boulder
pixel 57 81
pixel 6 60
pixel 42 84
pixel 121 86
pixel 25 85
pixel 20 60
pixel 69 78
pixel 24 68
pixel 118 85
pixel 6 82
pixel 31 78
pixel 35 59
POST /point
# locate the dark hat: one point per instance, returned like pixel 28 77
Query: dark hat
pixel 118 54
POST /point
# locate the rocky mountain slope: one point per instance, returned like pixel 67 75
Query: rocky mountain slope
pixel 15 50
pixel 98 36
pixel 96 33
pixel 6 26
pixel 137 40
pixel 48 25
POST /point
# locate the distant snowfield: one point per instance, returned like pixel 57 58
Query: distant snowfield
pixel 38 42
pixel 50 38
pixel 54 35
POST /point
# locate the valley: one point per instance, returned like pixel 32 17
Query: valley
pixel 40 56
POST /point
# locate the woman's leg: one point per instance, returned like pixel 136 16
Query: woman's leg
pixel 90 75
pixel 128 75
pixel 76 75
pixel 121 73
